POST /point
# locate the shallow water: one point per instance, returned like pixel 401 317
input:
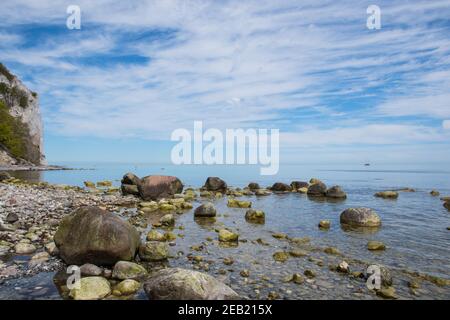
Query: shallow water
pixel 413 227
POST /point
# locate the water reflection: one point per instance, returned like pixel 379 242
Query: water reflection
pixel 28 175
pixel 360 230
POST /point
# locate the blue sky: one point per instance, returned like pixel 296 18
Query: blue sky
pixel 137 70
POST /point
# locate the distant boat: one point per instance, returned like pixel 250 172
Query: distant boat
pixel 367 164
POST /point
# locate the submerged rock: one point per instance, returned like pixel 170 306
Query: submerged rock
pixel 375 245
pixel 387 293
pixel 234 203
pixel 158 187
pixel 324 224
pixel 93 235
pixel 318 189
pixel 182 284
pixel 205 210
pixel 215 184
pixel 228 236
pixel 360 217
pixel 91 288
pixel 387 194
pixel 128 270
pixel 255 216
pixel 435 193
pixel 280 256
pixel 262 192
pixel 336 192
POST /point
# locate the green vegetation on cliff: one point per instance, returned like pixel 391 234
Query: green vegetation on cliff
pixel 10 93
pixel 12 131
pixel 4 71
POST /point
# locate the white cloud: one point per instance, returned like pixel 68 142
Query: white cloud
pixel 241 64
pixel 446 124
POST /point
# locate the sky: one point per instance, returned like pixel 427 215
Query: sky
pixel 137 70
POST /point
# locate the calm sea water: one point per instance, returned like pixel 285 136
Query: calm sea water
pixel 414 225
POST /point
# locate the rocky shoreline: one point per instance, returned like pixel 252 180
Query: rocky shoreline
pixel 44 228
pixel 33 168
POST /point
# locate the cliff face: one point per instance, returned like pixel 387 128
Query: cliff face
pixel 21 134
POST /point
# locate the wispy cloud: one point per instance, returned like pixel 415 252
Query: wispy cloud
pixel 310 68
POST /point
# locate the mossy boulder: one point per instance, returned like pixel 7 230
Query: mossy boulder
pixel 154 235
pixel 215 184
pixel 295 185
pixel 360 217
pixel 318 189
pixel 154 251
pixel 91 288
pixel 280 256
pixel 387 194
pixel 205 210
pixel 182 284
pixel 255 216
pixel 128 270
pixel 280 187
pixel 253 186
pixel 127 287
pixel 234 203
pixel 228 236
pixel 336 192
pixel 24 248
pixel 158 187
pixel 375 245
pixel 93 235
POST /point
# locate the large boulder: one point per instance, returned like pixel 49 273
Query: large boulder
pixel 318 189
pixel 205 210
pixel 336 192
pixel 360 217
pixel 154 251
pixel 129 184
pixel 157 187
pixel 215 184
pixel 447 205
pixel 93 235
pixel 255 216
pixel 182 284
pixel 253 186
pixel 128 270
pixel 280 187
